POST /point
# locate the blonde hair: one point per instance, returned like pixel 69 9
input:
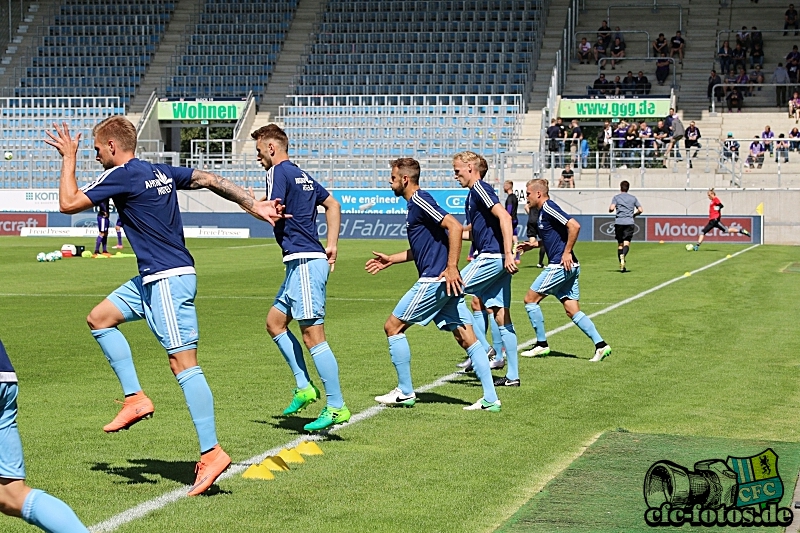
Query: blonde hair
pixel 118 128
pixel 540 184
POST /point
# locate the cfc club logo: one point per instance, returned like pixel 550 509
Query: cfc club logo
pixel 738 492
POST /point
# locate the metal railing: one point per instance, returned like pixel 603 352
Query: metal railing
pixel 612 32
pixel 654 7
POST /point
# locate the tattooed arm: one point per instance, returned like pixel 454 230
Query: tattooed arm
pixel 268 210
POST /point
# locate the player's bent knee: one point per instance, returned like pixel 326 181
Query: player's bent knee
pixel 12 496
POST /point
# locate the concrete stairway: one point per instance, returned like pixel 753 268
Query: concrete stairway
pixel 701 32
pixel 187 13
pixel 300 34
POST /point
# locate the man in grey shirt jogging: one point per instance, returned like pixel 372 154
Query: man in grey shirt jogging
pixel 626 207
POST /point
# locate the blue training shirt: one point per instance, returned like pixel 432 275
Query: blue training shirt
pixel 300 194
pixel 7 374
pixel 486 233
pixel 427 237
pixel 146 198
pixel 553 231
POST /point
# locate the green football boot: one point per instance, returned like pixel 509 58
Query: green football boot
pixel 302 399
pixel 329 417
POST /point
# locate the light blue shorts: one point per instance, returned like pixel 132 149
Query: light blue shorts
pixel 487 278
pixel 428 301
pixel 302 295
pixel 12 466
pixel 167 305
pixel 558 282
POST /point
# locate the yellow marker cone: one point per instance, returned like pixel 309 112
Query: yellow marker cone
pixel 687 274
pixel 258 472
pixel 660 242
pixel 275 463
pixel 760 208
pixel 728 256
pixel 291 456
pixel 308 447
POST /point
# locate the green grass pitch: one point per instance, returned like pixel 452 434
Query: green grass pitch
pixel 711 355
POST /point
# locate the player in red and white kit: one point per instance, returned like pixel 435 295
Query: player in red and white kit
pixel 715 220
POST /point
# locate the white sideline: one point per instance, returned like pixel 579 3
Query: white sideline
pixel 237 468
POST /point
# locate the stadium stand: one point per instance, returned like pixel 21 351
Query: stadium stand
pixel 231 51
pixel 95 48
pixel 33 165
pixel 422 79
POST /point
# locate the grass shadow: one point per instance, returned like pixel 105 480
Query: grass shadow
pixel 434 397
pixel 142 471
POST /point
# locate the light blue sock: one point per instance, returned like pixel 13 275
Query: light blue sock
pixel 497 338
pixel 201 405
pixel 328 370
pixel 479 324
pixel 293 353
pixel 401 359
pixel 509 336
pixel 50 514
pixel 587 326
pixel 537 321
pixel 480 362
pixel 118 352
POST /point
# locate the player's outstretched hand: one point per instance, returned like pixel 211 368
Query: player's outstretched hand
pixel 378 263
pixel 63 141
pixel 331 252
pixel 527 246
pixel 455 285
pixel 267 210
pixel 510 264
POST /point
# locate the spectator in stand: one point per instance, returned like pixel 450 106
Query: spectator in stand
pixel 756 78
pixel 604 32
pixel 643 85
pixel 724 56
pixel 629 85
pixel 730 81
pixel 584 154
pixel 617 52
pixel 756 156
pixel 662 69
pixel 794 144
pixel 790 20
pixel 616 86
pixel 599 51
pixel 738 57
pixel 677 132
pixel 660 45
pixel 604 140
pixel 660 137
pixel 756 37
pixel 618 35
pixel 766 139
pixel 743 81
pixel 780 75
pixel 730 148
pixel 735 99
pixel 715 86
pixel 584 51
pixel 619 141
pixel 756 55
pixel 576 135
pixel 691 140
pixel 793 68
pixel 632 144
pixel 743 37
pixel 601 85
pixel 567 179
pixel 646 139
pixel 794 107
pixel 782 149
pixel 677 46
pixel 553 141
